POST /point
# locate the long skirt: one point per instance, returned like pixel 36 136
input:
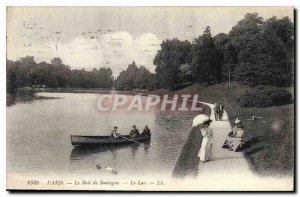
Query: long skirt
pixel 233 143
pixel 206 149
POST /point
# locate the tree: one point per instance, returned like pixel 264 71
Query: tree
pixel 284 30
pixel 27 61
pixel 257 51
pixel 56 61
pixel 221 42
pixel 168 60
pixel 61 73
pixel 204 59
pixel 230 61
pixel 250 25
pixel 11 85
pixel 135 78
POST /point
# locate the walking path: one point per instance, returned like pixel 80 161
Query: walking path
pixel 223 158
pixel 228 170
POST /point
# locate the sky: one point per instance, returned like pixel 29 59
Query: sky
pixel 94 37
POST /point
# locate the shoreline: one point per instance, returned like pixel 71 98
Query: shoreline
pixel 13 99
pixel 264 138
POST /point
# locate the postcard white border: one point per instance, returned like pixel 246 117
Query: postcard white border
pixel 5 3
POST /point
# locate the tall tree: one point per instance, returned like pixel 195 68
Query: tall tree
pixel 221 41
pixel 204 59
pixel 168 60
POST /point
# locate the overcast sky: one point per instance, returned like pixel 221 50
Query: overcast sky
pixel 93 37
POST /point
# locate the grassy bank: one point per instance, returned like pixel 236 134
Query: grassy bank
pixel 269 141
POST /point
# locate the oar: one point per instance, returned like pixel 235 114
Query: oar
pixel 134 141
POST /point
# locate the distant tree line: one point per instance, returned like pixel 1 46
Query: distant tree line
pixel 26 72
pixel 255 52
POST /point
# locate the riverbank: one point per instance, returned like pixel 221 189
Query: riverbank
pixel 78 90
pixel 24 96
pixel 269 148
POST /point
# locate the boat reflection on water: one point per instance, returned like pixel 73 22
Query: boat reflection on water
pixel 80 153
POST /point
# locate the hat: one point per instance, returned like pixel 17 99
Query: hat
pixel 200 119
pixel 237 121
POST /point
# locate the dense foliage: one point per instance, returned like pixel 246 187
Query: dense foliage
pixel 255 52
pixel 264 97
pixel 135 78
pixel 26 72
pixel 265 50
pixel 168 61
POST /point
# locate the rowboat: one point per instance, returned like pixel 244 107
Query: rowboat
pixel 79 140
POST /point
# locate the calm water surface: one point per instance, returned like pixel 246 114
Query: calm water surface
pixel 38 137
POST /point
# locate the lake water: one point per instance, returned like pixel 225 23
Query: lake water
pixel 38 138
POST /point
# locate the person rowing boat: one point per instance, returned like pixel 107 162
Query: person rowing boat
pixel 134 134
pixel 114 133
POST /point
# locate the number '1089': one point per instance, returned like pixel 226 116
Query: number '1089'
pixel 33 182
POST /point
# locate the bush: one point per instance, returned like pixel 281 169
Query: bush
pixel 264 97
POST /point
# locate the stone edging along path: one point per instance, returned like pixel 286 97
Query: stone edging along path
pixel 222 159
pixel 226 171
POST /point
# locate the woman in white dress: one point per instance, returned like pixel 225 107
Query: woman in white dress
pixel 206 146
pixel 205 152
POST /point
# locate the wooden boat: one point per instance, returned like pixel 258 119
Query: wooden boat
pixel 79 140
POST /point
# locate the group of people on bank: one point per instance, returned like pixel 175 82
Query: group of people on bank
pixel 233 142
pixel 134 133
